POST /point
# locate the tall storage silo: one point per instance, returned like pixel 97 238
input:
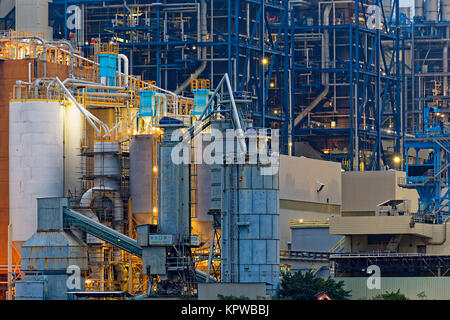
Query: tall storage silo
pixel 445 10
pixel 431 10
pixel 201 195
pixel 418 8
pixel 248 199
pixel 141 178
pixel 36 168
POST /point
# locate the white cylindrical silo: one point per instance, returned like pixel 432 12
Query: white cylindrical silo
pixel 73 135
pixel 35 161
pixel 431 10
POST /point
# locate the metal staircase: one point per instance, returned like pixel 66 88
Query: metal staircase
pixel 337 248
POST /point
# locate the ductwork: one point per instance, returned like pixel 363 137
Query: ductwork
pixel 114 196
pixel 203 33
pixel 126 65
pixel 325 64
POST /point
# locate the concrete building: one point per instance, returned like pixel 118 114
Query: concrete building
pixel 309 189
pixel 363 191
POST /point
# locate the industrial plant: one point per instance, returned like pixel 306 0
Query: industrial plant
pixel 198 149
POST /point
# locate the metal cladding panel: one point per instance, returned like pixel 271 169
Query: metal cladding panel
pixel 203 190
pixel 431 10
pixel 50 215
pixel 245 201
pixel 265 226
pixel 36 161
pixel 445 10
pixel 259 201
pixel 273 202
pixel 53 251
pixel 316 238
pixel 249 273
pixel 141 178
pixel 173 190
pixel 107 164
pixel 29 290
pixel 154 258
pixel 259 251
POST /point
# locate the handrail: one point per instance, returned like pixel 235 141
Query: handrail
pixel 300 222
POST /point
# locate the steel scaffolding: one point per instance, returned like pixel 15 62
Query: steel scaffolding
pixel 308 68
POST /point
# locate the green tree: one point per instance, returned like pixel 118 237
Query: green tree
pixel 391 296
pixel 300 286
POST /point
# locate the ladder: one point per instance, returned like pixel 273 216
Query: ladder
pixel 339 245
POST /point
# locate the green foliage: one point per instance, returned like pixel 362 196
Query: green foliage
pixel 221 297
pixel 305 287
pixel 391 296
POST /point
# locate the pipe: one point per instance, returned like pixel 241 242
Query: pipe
pixel 445 234
pixel 44 44
pixel 204 31
pixel 89 116
pixel 325 75
pixel 235 116
pixel 72 52
pixel 29 72
pixel 126 65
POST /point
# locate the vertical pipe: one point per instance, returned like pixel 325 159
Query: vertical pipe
pixel 158 47
pixel 358 165
pixel 130 230
pixel 413 80
pixel 9 261
pixel 229 38
pixel 351 94
pixel 29 72
pixel 236 37
pixel 445 62
pixel 262 97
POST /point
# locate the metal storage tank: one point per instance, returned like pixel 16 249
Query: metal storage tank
pixel 201 220
pixel 249 202
pixel 445 10
pixel 141 178
pixel 36 161
pixel 73 135
pixel 431 10
pixel 173 189
pixel 418 8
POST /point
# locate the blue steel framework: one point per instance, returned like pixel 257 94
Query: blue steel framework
pixel 173 41
pixel 364 70
pixel 430 176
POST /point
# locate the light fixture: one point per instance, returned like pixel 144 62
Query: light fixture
pixel 265 61
pixel 272 84
pixel 397 159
